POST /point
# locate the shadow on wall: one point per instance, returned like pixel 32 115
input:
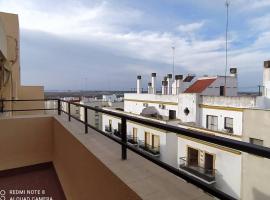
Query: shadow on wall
pixel 259 195
pixel 225 186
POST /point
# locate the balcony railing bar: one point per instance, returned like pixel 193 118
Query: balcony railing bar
pixel 226 142
pixel 238 145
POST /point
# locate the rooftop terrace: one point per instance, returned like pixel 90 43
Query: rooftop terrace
pixel 94 165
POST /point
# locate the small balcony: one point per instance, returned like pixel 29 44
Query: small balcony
pixel 154 151
pixel 116 133
pixel 108 129
pixel 206 175
pixel 132 140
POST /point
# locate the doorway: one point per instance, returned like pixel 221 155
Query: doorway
pixel 193 157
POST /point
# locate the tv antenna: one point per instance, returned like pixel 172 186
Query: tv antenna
pixel 173 52
pixel 227 27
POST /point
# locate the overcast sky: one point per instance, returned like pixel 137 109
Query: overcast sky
pixel 95 44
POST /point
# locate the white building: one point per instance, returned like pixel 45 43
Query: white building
pixel 94 117
pixel 207 104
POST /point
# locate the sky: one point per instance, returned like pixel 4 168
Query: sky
pixel 104 45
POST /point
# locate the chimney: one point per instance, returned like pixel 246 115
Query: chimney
pixel 154 89
pixel 164 86
pixel 169 80
pixel 149 88
pixel 233 72
pixel 178 80
pixel 266 72
pixel 139 84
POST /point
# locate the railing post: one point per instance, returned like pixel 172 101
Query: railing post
pixel 124 137
pixel 69 117
pixel 86 120
pixel 59 106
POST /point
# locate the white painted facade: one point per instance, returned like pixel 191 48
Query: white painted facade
pixel 194 111
pixel 227 165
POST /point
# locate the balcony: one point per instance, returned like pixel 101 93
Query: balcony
pixel 132 140
pixel 116 133
pixel 154 151
pixel 83 162
pixel 108 129
pixel 207 175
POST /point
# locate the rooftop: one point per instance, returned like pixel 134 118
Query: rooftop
pixel 200 85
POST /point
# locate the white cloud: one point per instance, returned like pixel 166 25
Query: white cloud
pixel 190 28
pixel 107 26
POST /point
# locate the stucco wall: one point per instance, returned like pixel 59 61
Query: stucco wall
pixel 256 171
pixel 25 141
pixel 81 174
pixel 227 165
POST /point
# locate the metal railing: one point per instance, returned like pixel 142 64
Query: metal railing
pixel 201 172
pixel 132 140
pixel 155 151
pixel 226 142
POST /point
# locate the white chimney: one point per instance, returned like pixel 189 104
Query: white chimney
pixel 164 86
pixel 154 89
pixel 266 72
pixel 178 80
pixel 139 84
pixel 233 72
pixel 169 80
pixel 149 88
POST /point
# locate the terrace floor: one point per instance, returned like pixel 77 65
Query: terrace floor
pixel 33 181
pixel 148 180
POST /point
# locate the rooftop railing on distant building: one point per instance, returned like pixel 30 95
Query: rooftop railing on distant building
pixel 230 143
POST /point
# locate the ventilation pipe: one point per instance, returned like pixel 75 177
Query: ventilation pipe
pixel 266 72
pixel 164 85
pixel 178 80
pixel 233 72
pixel 154 89
pixel 169 80
pixel 149 88
pixel 139 84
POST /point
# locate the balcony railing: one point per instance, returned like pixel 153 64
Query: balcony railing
pixel 155 151
pixel 117 133
pixel 226 142
pixel 132 140
pixel 207 175
pixel 108 129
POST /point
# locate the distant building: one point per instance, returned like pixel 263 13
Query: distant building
pixel 95 118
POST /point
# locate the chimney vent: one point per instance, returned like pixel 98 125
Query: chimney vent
pixel 267 64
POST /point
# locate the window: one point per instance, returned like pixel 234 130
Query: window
pixel 212 122
pixel 192 157
pixel 134 132
pixel 155 141
pixel 228 124
pixel 256 141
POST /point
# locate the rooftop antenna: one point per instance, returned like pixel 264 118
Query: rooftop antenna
pixel 173 49
pixel 227 26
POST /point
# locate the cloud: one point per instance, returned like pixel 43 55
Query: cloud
pixel 190 28
pixel 105 39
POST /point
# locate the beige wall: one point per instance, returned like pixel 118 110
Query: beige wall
pixel 30 140
pixel 25 141
pixel 256 170
pixel 10 36
pixel 91 180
